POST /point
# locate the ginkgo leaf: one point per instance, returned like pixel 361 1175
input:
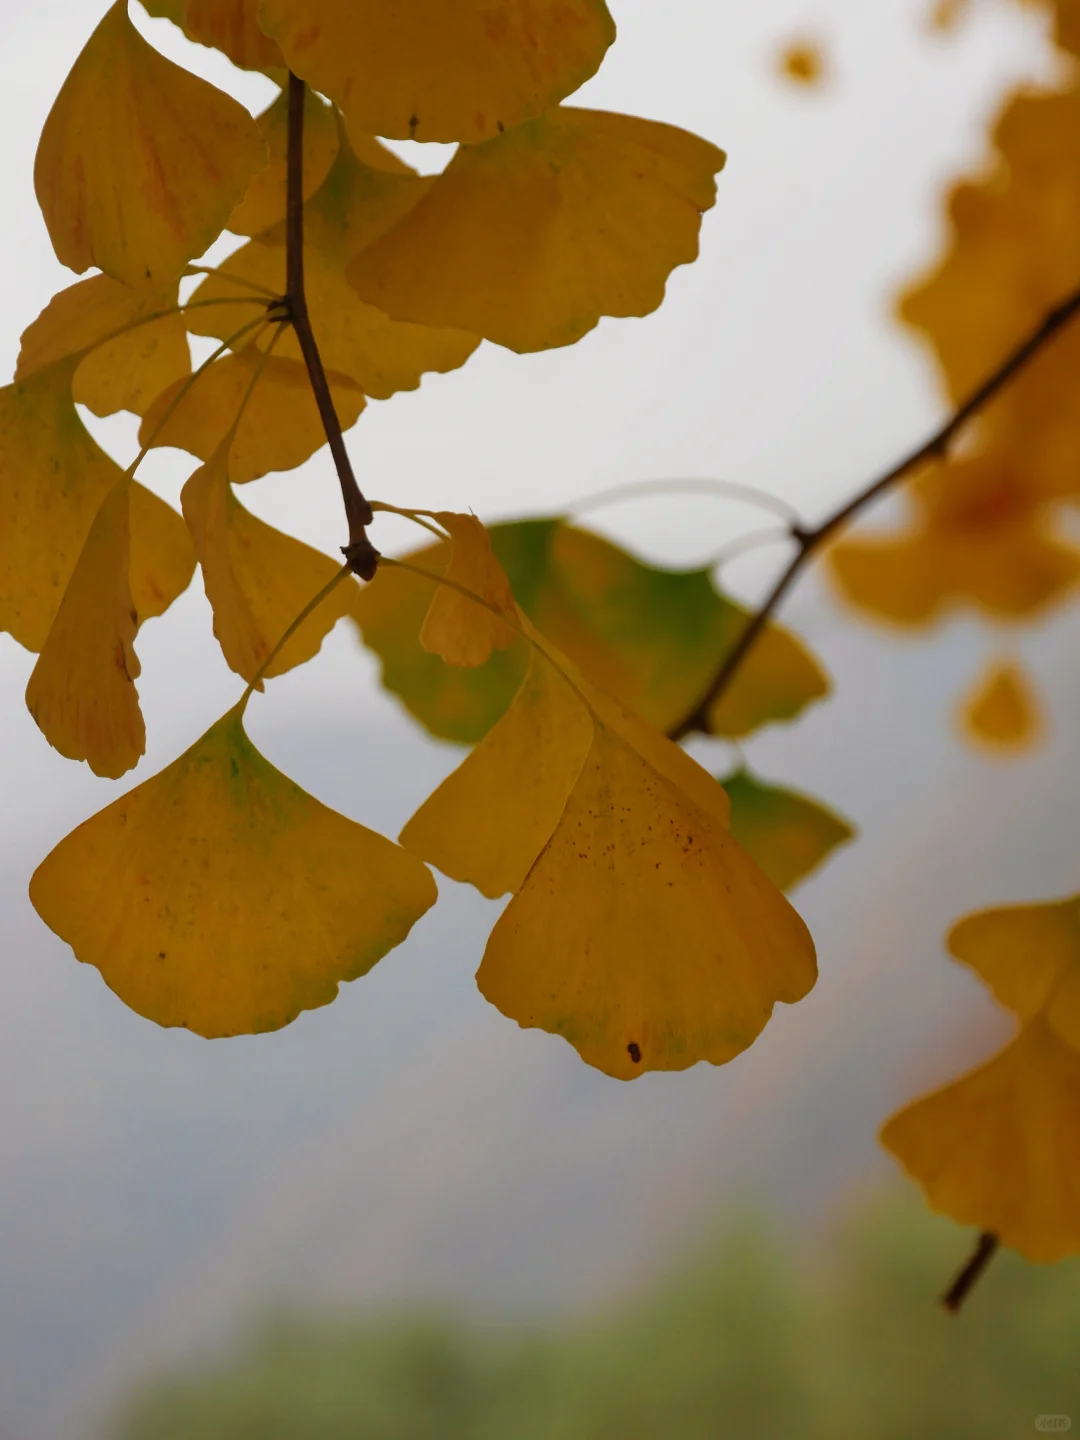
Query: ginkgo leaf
pixel 1000 1148
pixel 643 934
pixel 265 201
pixel 220 897
pixel 232 26
pixel 437 70
pixel 257 578
pixel 123 373
pixel 455 627
pixel 280 426
pixel 489 820
pixel 162 555
pixel 356 202
pixel 788 834
pixel 1002 712
pixel 82 689
pixel 978 538
pixel 140 163
pixel 530 238
pixel 652 637
pixel 1029 955
pixel 53 480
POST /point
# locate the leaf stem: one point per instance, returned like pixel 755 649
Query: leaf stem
pixel 313 604
pixel 986 1247
pixel 809 542
pixel 361 555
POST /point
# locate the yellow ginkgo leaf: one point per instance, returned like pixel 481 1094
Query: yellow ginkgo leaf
pixel 220 897
pixel 1029 955
pixel 257 578
pixel 643 934
pixel 1002 712
pixel 232 26
pixel 140 163
pixel 441 69
pixel 530 238
pixel 280 426
pixel 355 203
pixel 1000 1148
pixel 789 835
pixel 456 628
pixel 264 203
pixel 162 555
pixel 490 819
pixel 124 373
pixel 82 689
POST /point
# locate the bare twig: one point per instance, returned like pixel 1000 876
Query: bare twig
pixel 809 542
pixel 986 1248
pixel 361 555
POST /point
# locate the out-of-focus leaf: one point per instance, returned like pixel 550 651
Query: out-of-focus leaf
pixel 140 163
pixel 220 897
pixel 789 835
pixel 530 238
pixel 1002 712
pixel 437 71
pixel 456 628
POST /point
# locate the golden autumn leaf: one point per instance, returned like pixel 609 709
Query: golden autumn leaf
pixel 531 237
pixel 280 426
pixel 355 203
pixel 490 819
pixel 652 637
pixel 257 578
pixel 1029 955
pixel 121 373
pixel 1000 1148
pixel 232 26
pixel 53 480
pixel 140 163
pixel 643 934
pixel 1002 713
pixel 220 897
pixel 803 63
pixel 456 628
pixel 787 834
pixel 82 689
pixel 437 70
pixel 978 537
pixel 264 203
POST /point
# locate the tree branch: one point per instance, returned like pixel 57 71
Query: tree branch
pixel 986 1247
pixel 809 542
pixel 361 555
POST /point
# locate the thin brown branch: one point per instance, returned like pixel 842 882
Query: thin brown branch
pixel 809 542
pixel 986 1247
pixel 360 553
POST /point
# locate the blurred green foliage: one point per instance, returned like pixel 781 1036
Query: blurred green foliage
pixel 747 1341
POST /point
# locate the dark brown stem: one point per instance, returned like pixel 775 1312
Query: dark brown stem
pixel 986 1248
pixel 360 553
pixel 809 542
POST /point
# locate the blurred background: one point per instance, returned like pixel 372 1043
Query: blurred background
pixel 403 1217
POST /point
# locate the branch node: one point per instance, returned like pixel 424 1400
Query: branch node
pixel 362 558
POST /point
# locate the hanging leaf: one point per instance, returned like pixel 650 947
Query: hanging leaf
pixel 456 628
pixel 232 26
pixel 257 578
pixel 82 689
pixel 280 426
pixel 530 238
pixel 124 373
pixel 355 203
pixel 1000 1148
pixel 1002 713
pixel 218 896
pixel 652 637
pixel 140 163
pixel 789 835
pixel 644 934
pixel 265 202
pixel 438 71
pixel 53 480
pixel 1029 955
